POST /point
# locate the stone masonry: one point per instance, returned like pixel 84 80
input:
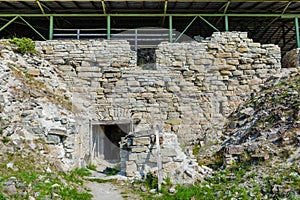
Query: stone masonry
pixel 196 85
pixel 189 92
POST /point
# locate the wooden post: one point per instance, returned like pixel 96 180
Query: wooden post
pixel 159 164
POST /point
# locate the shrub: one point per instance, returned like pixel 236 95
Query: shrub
pixel 2 197
pixel 5 140
pixel 111 171
pixel 24 45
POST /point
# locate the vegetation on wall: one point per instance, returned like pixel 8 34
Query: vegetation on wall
pixel 24 45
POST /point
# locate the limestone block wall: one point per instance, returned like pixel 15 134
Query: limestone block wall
pixel 139 157
pixel 221 72
pixel 194 87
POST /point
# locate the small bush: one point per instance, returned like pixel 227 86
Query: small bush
pixel 151 181
pixel 24 45
pixel 5 140
pixel 2 197
pixel 111 171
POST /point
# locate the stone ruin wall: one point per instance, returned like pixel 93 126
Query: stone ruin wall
pixel 194 87
pixel 193 81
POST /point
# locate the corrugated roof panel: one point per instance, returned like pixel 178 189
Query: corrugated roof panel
pixel 135 5
pixel 118 5
pixel 154 5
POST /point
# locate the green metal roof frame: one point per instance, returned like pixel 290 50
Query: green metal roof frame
pixel 223 13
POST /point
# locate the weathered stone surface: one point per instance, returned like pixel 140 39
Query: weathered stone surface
pixel 194 88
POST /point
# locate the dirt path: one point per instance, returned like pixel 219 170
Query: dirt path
pixel 104 191
pixel 108 190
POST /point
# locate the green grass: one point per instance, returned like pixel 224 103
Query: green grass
pixel 30 170
pixel 92 167
pixel 230 184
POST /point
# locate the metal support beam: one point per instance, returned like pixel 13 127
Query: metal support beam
pixel 291 16
pixel 226 23
pixel 40 6
pixel 226 7
pixel 108 27
pixel 209 24
pixel 8 23
pixel 157 0
pixel 33 28
pixel 188 26
pixel 297 31
pixel 286 7
pixel 103 7
pixel 165 12
pixel 171 28
pixel 51 28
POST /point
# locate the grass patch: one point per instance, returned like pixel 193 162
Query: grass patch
pixel 30 171
pixel 92 167
pixel 241 181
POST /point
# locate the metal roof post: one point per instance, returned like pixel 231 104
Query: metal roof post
pixel 226 23
pixel 108 27
pixel 51 28
pixel 297 31
pixel 171 28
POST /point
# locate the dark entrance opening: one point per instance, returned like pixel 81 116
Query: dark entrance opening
pixel 146 58
pixel 105 140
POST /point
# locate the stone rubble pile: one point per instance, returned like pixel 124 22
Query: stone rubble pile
pixel 139 157
pixel 291 59
pixel 34 104
pixel 266 126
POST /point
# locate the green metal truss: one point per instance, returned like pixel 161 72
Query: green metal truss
pixel 108 18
